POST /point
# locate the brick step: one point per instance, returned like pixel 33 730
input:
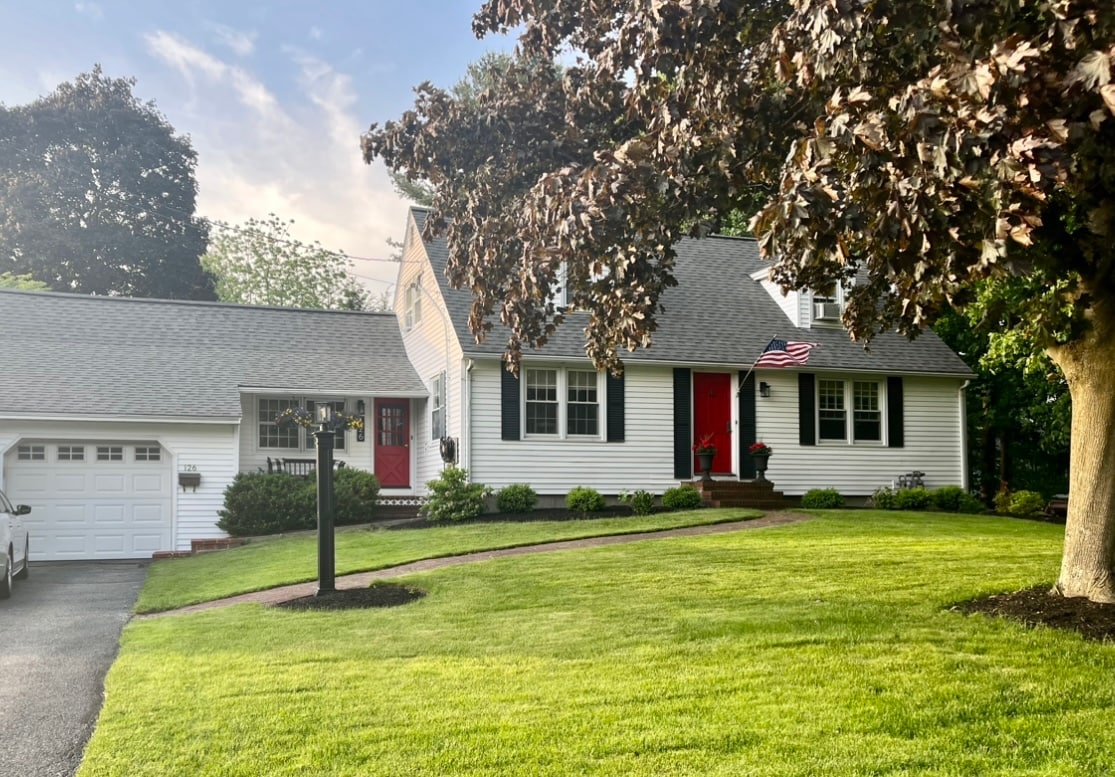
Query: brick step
pixel 755 504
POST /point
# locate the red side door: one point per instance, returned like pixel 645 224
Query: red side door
pixel 392 451
pixel 712 415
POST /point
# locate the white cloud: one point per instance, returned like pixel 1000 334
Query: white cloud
pixel 243 44
pixel 297 156
pixel 316 33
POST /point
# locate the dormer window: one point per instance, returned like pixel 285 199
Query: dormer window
pixel 828 304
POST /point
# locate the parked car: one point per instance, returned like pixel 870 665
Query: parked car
pixel 15 544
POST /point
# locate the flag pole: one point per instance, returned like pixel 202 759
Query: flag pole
pixel 753 362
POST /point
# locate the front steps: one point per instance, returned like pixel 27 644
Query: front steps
pixel 757 494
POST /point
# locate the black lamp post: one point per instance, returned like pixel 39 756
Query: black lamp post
pixel 326 560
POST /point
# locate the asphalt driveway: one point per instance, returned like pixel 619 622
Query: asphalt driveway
pixel 58 636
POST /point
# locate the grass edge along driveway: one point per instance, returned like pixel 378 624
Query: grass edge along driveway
pixel 275 561
pixel 822 648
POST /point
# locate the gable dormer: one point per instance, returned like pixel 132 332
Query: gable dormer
pixel 806 308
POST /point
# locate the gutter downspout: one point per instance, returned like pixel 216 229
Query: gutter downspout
pixel 963 399
pixel 464 448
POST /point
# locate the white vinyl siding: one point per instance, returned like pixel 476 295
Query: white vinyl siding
pixel 208 449
pixel 552 466
pixel 932 432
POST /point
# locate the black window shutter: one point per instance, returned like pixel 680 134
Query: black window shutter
pixel 509 406
pixel 896 433
pixel 807 404
pixel 683 430
pixel 615 407
pixel 748 426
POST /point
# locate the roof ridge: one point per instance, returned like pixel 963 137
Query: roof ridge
pixel 189 302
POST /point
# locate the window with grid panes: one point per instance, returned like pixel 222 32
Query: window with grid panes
pixel 271 433
pixel 831 415
pixel 148 453
pixel 867 418
pixel 71 453
pixel 437 407
pixel 541 401
pixel 31 453
pixel 583 406
pixel 110 453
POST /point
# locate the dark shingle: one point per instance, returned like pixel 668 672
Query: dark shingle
pixel 71 355
pixel 717 315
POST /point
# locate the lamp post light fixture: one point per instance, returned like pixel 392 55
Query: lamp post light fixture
pixel 326 508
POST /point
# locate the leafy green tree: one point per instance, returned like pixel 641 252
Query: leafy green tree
pixel 917 146
pixel 260 263
pixel 25 282
pixel 97 194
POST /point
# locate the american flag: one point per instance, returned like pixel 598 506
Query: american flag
pixel 783 353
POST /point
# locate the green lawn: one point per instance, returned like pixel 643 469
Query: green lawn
pixel 820 648
pixel 277 561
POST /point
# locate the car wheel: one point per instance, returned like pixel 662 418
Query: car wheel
pixel 23 573
pixel 6 580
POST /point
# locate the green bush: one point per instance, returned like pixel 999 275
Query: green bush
pixel 883 498
pixel 947 498
pixel 1019 503
pixel 584 500
pixel 453 498
pixel 970 504
pixel 516 498
pixel 681 498
pixel 822 499
pixel 916 498
pixel 355 493
pixel 259 503
pixel 641 501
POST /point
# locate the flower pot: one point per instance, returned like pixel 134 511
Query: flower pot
pixel 706 457
pixel 761 461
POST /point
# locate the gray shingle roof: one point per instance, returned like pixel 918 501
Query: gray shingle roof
pixel 63 354
pixel 716 315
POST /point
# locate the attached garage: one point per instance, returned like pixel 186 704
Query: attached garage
pixel 93 499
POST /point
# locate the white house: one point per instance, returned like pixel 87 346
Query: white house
pixel 849 419
pixel 123 420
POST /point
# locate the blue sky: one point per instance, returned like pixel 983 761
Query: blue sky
pixel 273 95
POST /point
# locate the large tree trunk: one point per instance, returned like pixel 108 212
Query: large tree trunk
pixel 1088 563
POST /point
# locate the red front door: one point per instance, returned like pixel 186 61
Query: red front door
pixel 392 430
pixel 712 415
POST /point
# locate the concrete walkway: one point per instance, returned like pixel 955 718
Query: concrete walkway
pixel 364 579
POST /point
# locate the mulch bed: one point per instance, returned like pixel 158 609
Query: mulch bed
pixel 540 514
pixel 380 594
pixel 1038 607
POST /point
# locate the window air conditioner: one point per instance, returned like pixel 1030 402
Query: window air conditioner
pixel 826 311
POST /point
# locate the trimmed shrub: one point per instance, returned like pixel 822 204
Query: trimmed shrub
pixel 883 498
pixel 516 498
pixel 681 498
pixel 641 501
pixel 822 499
pixel 1019 503
pixel 970 504
pixel 355 493
pixel 916 498
pixel 584 500
pixel 453 498
pixel 259 503
pixel 947 498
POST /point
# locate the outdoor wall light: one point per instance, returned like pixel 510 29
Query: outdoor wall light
pixel 360 407
pixel 764 389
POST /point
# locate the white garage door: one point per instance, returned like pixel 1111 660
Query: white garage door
pixel 99 500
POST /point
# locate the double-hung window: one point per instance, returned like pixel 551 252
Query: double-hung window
pixel 562 402
pixel 412 304
pixel 274 435
pixel 834 400
pixel 437 407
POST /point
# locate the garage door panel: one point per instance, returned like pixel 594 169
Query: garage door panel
pixel 110 484
pixel 148 484
pixel 94 508
pixel 70 483
pixel 109 515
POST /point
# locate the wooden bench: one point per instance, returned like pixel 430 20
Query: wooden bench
pixel 301 467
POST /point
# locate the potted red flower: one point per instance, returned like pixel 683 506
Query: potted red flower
pixel 706 452
pixel 761 452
